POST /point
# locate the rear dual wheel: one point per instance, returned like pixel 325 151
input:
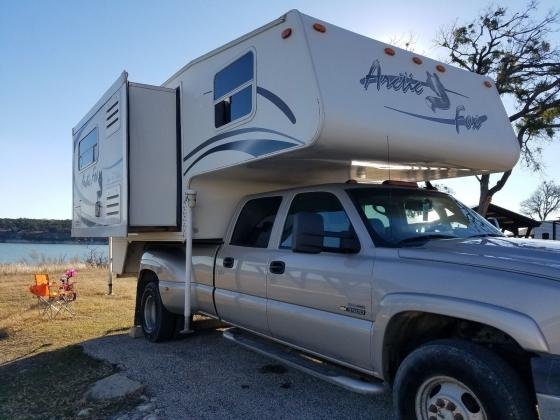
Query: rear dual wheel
pixel 158 324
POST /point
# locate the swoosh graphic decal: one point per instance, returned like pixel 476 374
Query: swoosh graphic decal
pixel 254 148
pixel 233 133
pixel 90 223
pixel 471 123
pixel 113 165
pixel 276 100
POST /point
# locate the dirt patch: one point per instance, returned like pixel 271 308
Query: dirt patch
pixel 52 384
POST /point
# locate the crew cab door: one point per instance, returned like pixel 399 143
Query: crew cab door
pixel 241 266
pixel 322 302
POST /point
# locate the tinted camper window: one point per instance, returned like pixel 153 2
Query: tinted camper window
pixel 88 149
pixel 254 225
pixel 233 91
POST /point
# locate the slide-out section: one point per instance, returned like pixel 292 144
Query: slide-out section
pixel 125 163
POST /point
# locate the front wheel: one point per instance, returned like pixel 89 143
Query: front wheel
pixel 158 323
pixel 452 379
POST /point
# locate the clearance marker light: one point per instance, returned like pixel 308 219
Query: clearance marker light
pixel 389 51
pixel 286 33
pixel 487 84
pixel 319 27
pixel 440 68
pixel 417 60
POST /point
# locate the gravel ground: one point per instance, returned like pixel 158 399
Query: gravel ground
pixel 205 376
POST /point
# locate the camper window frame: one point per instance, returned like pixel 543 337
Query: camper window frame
pixel 252 82
pixel 96 154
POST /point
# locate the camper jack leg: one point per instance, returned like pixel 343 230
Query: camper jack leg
pixel 189 203
pixel 110 277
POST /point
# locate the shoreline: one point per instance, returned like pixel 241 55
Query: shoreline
pixel 52 242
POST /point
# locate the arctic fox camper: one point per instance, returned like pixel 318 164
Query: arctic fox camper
pixel 271 184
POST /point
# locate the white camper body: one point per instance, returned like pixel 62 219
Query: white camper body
pixel 296 102
pixel 125 168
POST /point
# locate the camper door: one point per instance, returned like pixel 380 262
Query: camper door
pixel 99 167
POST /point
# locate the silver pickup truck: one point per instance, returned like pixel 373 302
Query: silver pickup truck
pixel 371 286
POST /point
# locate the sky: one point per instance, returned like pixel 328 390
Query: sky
pixel 58 57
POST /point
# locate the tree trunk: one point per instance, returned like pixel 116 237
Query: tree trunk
pixel 486 193
pixel 485 197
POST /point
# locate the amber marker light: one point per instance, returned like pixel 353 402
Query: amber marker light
pixel 389 51
pixel 417 60
pixel 286 33
pixel 487 84
pixel 440 68
pixel 319 27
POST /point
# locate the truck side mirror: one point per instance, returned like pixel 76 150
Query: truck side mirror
pixel 309 231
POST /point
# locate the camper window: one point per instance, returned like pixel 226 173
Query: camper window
pixel 254 225
pixel 233 91
pixel 87 150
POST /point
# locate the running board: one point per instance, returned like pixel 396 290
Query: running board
pixel 338 375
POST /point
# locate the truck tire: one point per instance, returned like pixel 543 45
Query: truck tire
pixel 158 323
pixel 459 380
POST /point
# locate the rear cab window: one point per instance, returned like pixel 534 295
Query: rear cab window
pixel 338 230
pixel 254 224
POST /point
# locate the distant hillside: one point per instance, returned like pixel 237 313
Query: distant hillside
pixel 40 230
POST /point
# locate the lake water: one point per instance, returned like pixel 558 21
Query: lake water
pixel 11 253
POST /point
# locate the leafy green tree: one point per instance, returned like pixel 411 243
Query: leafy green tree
pixel 513 48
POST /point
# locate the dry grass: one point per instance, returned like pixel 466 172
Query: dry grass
pixel 34 345
pixel 40 267
pixel 25 333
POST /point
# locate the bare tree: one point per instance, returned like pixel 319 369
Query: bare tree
pixel 407 42
pixel 544 201
pixel 514 49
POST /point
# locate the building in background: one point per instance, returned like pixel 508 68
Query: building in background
pixel 549 229
pixel 510 222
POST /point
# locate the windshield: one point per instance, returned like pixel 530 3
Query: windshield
pixel 401 217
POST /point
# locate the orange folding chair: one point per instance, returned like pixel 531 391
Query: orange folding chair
pixel 51 300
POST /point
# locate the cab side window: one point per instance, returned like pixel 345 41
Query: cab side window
pixel 339 232
pixel 254 224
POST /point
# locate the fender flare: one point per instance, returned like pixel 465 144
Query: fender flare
pixel 523 329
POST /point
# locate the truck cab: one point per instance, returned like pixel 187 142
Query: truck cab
pixel 367 277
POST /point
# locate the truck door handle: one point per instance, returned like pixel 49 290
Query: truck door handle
pixel 277 267
pixel 228 262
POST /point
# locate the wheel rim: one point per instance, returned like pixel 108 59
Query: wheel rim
pixel 149 313
pixel 443 397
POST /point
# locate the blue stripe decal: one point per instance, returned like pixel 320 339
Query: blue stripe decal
pixel 470 122
pixel 254 148
pixel 276 100
pixel 234 133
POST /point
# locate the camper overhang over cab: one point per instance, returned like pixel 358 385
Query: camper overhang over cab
pixel 296 102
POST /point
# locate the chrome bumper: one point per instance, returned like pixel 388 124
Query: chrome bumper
pixel 549 407
pixel 546 380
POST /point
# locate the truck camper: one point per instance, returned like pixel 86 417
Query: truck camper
pixel 271 183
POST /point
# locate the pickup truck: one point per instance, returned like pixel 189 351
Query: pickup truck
pixel 378 286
